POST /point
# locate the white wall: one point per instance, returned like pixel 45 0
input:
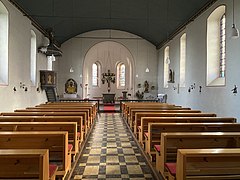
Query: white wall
pixel 75 49
pixel 212 99
pixel 19 63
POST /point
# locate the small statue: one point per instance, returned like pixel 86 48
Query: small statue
pixel 171 76
pixel 234 90
pixel 146 86
pixel 139 95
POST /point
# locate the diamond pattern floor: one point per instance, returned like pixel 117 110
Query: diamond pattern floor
pixel 111 153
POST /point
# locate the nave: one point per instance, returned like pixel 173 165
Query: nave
pixel 111 153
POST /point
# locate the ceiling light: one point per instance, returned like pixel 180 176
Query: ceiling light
pixel 71 70
pixel 235 31
pixel 147 70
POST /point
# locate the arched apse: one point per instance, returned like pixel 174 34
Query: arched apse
pixel 108 54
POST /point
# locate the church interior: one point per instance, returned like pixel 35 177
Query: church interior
pixel 115 89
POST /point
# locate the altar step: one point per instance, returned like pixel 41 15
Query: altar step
pixel 109 107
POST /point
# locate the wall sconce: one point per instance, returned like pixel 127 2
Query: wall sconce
pixel 193 86
pixel 22 85
pixel 71 70
pixel 14 89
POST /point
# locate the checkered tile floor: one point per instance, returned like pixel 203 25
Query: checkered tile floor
pixel 111 153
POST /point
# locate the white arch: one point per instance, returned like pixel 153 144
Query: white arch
pixel 108 54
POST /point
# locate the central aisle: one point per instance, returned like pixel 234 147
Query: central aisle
pixel 111 153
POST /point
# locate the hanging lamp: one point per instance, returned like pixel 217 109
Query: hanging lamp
pixel 234 31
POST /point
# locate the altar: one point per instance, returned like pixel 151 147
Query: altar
pixel 108 98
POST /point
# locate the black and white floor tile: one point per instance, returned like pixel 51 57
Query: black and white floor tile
pixel 111 153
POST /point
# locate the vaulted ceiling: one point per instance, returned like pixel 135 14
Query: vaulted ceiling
pixel 153 20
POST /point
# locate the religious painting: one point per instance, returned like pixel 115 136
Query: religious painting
pixel 71 86
pixel 47 78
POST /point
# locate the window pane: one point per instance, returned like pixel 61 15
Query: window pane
pixel 182 60
pixel 222 61
pixel 33 58
pixel 94 74
pixel 122 75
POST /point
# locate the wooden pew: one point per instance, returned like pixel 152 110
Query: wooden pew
pixel 136 114
pixel 42 113
pixel 26 164
pixel 88 110
pixel 72 104
pixel 173 113
pixel 125 105
pixel 56 142
pixel 88 122
pixel 159 107
pixel 155 130
pixel 171 142
pixel 219 163
pixel 145 120
pixel 70 127
pixel 91 108
pixel 77 119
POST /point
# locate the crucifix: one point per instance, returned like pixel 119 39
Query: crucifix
pixel 108 77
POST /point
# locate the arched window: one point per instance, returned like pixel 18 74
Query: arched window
pixel 121 72
pixel 4 45
pixel 33 62
pixel 166 66
pixel 182 60
pixel 95 74
pixel 222 70
pixel 216 51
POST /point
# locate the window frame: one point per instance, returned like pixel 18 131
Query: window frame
pixel 98 65
pixel 119 74
pixel 4 40
pixel 213 78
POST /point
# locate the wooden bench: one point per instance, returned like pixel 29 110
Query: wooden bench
pixel 131 109
pixel 125 105
pixel 49 113
pixel 77 119
pixel 56 142
pixel 173 113
pixel 153 136
pixel 171 142
pixel 91 108
pixel 94 105
pixel 208 164
pixel 87 122
pixel 145 120
pixel 138 113
pixel 26 164
pixel 70 127
pixel 88 110
pixel 42 113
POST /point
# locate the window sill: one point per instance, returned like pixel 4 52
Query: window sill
pixel 218 82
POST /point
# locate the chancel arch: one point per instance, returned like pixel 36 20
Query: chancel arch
pixel 109 56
